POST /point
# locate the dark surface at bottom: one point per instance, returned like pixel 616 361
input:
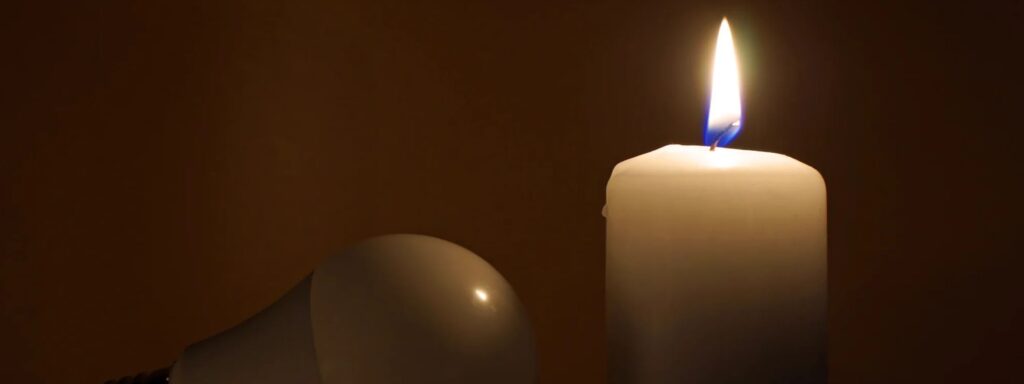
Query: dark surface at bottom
pixel 159 376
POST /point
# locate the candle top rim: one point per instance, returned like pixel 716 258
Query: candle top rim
pixel 698 159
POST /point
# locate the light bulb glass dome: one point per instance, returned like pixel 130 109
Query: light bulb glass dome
pixel 392 309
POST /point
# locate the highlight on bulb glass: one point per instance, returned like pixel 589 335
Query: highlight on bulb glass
pixel 391 309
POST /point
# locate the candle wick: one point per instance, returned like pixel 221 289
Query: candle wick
pixel 731 129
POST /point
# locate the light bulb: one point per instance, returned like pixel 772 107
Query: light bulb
pixel 391 309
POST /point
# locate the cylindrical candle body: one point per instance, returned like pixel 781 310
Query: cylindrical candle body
pixel 716 268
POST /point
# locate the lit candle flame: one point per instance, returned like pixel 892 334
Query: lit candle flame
pixel 724 115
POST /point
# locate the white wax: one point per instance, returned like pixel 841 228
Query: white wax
pixel 716 268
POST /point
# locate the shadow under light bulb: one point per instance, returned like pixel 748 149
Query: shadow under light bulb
pixel 391 309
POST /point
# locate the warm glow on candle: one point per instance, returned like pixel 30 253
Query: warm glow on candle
pixel 724 115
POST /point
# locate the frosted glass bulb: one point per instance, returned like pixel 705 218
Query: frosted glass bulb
pixel 391 309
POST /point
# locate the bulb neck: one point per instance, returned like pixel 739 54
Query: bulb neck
pixel 159 376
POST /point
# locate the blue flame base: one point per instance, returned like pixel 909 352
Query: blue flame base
pixel 721 135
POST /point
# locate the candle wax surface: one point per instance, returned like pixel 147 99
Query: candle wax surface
pixel 716 268
pixel 675 158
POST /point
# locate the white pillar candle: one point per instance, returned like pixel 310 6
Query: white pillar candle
pixel 716 264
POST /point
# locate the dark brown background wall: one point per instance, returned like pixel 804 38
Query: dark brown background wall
pixel 169 168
